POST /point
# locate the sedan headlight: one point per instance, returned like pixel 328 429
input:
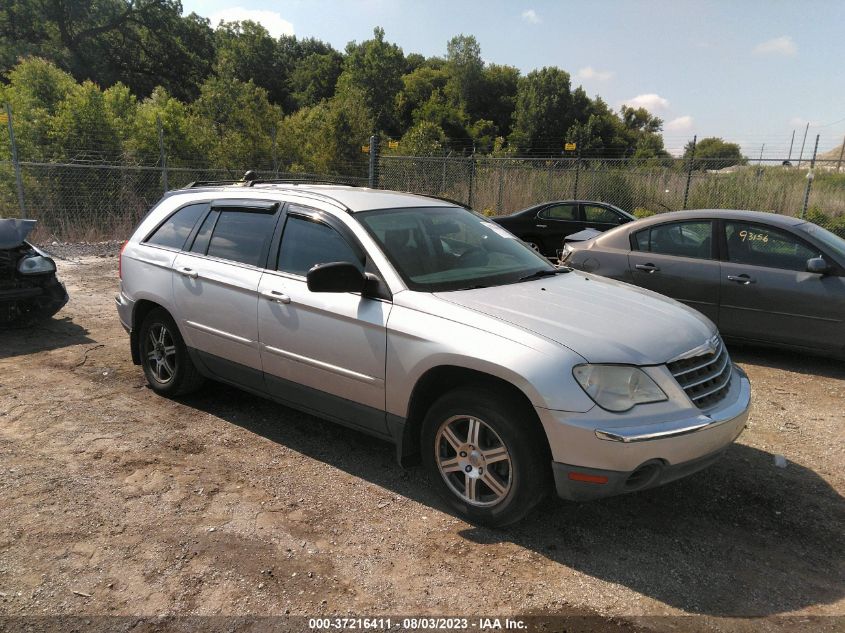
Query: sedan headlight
pixel 617 387
pixel 36 264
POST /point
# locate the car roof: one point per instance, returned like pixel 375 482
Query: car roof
pixel 768 217
pixel 353 199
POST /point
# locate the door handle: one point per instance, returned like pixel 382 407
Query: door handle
pixel 541 226
pixel 742 279
pixel 276 296
pixel 649 268
pixel 188 272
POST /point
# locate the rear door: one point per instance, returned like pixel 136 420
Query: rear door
pixel 767 293
pixel 677 259
pixel 555 222
pixel 325 351
pixel 216 287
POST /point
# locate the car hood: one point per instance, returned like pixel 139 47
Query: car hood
pixel 603 320
pixel 14 232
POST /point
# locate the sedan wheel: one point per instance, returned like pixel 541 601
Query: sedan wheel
pixel 473 461
pixel 535 246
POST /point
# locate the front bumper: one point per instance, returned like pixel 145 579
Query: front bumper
pixel 597 455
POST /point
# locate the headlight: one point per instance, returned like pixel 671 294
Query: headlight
pixel 36 264
pixel 617 387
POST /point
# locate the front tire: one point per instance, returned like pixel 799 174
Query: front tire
pixel 164 356
pixel 486 455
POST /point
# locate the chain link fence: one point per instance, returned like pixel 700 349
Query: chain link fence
pixel 85 201
pixel 643 187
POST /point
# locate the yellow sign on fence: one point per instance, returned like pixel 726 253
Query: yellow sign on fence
pixel 365 149
pixel 4 118
pixel 570 147
pixel 392 144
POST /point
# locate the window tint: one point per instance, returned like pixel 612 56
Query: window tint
pixel 306 244
pixel 204 234
pixel 178 227
pixel 682 239
pixel 600 214
pixel 560 212
pixel 240 236
pixel 760 245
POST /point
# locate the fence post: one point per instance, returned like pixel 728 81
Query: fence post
pixel 501 202
pixel 162 154
pixel 577 169
pixel 273 154
pixel 471 178
pixel 443 177
pixel 810 177
pixel 373 179
pixel 689 170
pixel 841 152
pixel 16 164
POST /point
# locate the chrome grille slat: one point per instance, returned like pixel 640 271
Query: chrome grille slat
pixel 705 378
pixel 714 374
pixel 725 380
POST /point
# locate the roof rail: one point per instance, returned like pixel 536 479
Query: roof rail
pixel 300 181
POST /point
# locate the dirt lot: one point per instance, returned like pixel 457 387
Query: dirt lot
pixel 114 501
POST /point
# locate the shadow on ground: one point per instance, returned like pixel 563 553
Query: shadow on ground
pixel 794 362
pixel 742 538
pixel 41 336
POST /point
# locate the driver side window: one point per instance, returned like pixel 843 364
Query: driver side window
pixel 760 245
pixel 682 239
pixel 306 243
pixel 560 212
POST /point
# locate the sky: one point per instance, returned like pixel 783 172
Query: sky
pixel 750 71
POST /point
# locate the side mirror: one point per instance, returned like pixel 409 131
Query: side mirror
pixel 336 277
pixel 817 265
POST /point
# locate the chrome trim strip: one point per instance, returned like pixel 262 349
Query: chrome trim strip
pixel 370 380
pixel 711 346
pixel 709 361
pixel 220 333
pixel 645 433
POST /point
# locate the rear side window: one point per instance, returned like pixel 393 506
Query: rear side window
pixel 306 244
pixel 204 234
pixel 560 212
pixel 681 239
pixel 760 245
pixel 601 215
pixel 177 227
pixel 241 235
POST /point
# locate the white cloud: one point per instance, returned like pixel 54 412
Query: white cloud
pixel 275 24
pixel 782 45
pixel 651 102
pixel 530 16
pixel 798 121
pixel 589 72
pixel 681 124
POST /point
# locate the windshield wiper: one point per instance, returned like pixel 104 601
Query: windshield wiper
pixel 544 273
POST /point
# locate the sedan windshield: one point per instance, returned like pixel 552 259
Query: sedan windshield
pixel 835 243
pixel 450 248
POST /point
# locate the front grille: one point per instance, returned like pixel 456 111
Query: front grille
pixel 705 377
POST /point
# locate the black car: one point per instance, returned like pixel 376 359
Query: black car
pixel 543 226
pixel 29 289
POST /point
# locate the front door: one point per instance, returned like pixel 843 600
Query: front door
pixel 323 351
pixel 216 289
pixel 554 223
pixel 767 293
pixel 676 260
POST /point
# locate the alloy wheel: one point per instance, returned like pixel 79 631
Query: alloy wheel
pixel 160 353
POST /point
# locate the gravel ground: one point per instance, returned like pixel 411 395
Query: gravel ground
pixel 114 501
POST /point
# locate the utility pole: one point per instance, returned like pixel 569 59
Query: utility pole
pixel 801 155
pixel 760 161
pixel 15 162
pixel 841 152
pixel 810 177
pixel 788 158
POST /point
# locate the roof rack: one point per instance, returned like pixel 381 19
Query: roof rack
pixel 250 178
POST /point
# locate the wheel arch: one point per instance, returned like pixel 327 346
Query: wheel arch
pixel 441 379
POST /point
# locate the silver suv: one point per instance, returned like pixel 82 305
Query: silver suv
pixel 422 323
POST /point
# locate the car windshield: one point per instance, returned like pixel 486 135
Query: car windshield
pixel 449 248
pixel 835 243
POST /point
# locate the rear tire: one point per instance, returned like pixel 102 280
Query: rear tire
pixel 486 455
pixel 164 356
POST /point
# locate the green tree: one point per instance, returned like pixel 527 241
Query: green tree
pixel 714 153
pixel 83 128
pixel 543 112
pixel 314 78
pixel 466 70
pixel 496 99
pixel 246 51
pixel 375 68
pixel 417 88
pixel 423 139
